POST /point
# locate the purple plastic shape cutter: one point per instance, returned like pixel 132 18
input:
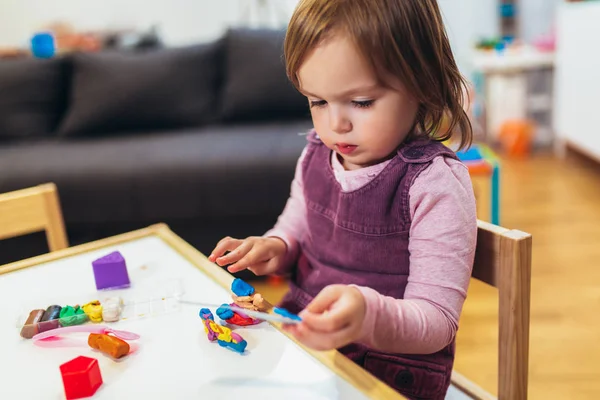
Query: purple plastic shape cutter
pixel 110 272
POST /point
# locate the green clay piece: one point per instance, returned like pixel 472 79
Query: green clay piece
pixel 70 316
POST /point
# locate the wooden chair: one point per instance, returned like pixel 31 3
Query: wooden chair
pixel 34 209
pixel 503 260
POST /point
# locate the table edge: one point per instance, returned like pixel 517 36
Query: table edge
pixel 355 375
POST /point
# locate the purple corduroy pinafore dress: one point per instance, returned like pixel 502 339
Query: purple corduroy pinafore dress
pixel 361 237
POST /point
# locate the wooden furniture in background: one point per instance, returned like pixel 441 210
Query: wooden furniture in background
pixel 31 210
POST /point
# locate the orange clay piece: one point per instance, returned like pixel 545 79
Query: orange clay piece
pixel 111 345
pixel 253 302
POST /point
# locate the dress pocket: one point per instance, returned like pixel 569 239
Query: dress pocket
pixel 413 378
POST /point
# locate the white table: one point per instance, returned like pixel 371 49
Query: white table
pixel 174 358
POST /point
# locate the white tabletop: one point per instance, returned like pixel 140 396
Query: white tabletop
pixel 173 359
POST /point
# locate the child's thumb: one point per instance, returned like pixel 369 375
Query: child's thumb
pixel 326 297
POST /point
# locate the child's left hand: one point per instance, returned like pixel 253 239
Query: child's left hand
pixel 332 320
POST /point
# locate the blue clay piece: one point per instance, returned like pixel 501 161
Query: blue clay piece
pixel 237 347
pixel 224 312
pixel 206 313
pixel 286 313
pixel 241 288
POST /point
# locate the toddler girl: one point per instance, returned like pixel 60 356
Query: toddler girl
pixel 379 232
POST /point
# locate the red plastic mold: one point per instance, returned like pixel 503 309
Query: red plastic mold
pixel 81 377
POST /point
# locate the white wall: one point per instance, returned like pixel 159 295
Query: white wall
pixel 537 17
pixel 179 21
pixel 467 21
pixel 188 21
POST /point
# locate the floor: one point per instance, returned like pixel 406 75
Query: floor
pixel 558 202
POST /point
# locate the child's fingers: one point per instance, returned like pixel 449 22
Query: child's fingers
pixel 225 244
pixel 251 258
pixel 324 299
pixel 237 250
pixel 322 341
pixel 335 319
pixel 259 268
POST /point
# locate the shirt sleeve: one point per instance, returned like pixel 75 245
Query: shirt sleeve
pixel 291 224
pixel 443 236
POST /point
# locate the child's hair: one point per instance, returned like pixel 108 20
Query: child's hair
pixel 402 38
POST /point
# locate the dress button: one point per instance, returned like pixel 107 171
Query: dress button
pixel 404 379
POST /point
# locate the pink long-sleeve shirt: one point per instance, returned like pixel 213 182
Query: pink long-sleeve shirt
pixel 442 241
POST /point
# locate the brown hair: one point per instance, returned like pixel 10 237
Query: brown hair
pixel 402 38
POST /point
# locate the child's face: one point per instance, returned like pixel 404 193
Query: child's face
pixel 353 115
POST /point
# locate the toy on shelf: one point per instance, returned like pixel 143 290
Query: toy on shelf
pixel 223 335
pixel 110 272
pixel 484 169
pixel 81 377
pixel 516 136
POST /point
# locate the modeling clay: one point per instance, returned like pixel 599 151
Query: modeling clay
pixel 223 335
pixel 224 312
pixel 72 316
pixel 111 310
pixel 93 310
pixel 241 288
pixel 234 317
pixel 110 272
pixel 81 377
pixel 30 328
pixel 254 302
pixel 111 345
pixel 44 326
pixel 52 312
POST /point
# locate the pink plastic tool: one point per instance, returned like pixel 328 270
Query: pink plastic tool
pixel 87 328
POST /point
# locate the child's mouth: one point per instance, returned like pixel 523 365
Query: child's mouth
pixel 345 148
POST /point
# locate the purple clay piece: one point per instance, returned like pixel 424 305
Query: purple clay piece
pixel 110 272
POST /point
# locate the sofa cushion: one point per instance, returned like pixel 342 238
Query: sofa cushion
pixel 32 97
pixel 214 171
pixel 116 91
pixel 256 86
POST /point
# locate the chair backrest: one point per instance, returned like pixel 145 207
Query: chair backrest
pixel 34 209
pixel 503 260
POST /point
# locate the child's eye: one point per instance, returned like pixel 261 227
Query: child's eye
pixel 318 103
pixel 363 103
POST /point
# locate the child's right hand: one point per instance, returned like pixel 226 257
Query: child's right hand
pixel 261 255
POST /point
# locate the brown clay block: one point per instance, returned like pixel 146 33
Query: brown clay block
pixel 30 328
pixel 111 345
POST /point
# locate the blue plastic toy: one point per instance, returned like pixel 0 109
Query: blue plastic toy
pixel 286 313
pixel 42 45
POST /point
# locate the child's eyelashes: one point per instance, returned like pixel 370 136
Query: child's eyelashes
pixel 355 103
pixel 317 103
pixel 363 103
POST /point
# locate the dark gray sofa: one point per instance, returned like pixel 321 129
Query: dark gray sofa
pixel 204 138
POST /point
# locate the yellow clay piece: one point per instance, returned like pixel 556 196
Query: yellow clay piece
pixel 93 310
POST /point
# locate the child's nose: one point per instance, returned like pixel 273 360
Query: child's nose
pixel 338 121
